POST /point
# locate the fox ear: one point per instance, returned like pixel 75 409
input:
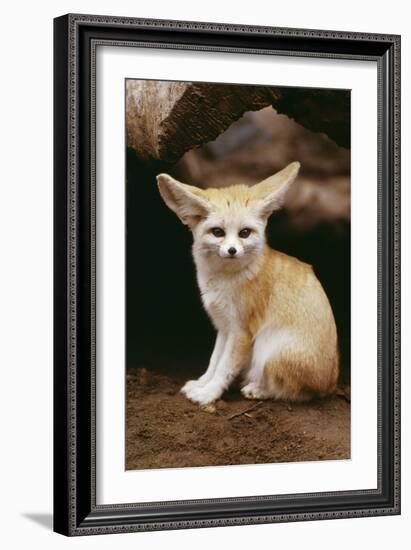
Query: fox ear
pixel 187 201
pixel 270 193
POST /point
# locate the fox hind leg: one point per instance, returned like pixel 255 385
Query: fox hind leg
pixel 280 369
pixel 255 390
pixel 270 346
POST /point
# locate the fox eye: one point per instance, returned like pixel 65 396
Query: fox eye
pixel 244 233
pixel 217 232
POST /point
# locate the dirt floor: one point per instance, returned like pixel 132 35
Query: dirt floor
pixel 165 430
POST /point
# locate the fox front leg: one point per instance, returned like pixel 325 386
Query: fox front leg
pixel 233 360
pixel 207 376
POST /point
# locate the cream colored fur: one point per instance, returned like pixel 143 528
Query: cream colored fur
pixel 275 326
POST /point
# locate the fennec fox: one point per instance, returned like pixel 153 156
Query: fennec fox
pixel 275 325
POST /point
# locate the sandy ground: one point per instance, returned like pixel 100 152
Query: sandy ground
pixel 165 430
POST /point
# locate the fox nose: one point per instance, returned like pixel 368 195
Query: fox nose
pixel 232 251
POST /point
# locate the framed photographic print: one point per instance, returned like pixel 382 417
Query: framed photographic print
pixel 227 280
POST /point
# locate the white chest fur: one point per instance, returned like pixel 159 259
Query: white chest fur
pixel 221 287
pixel 220 297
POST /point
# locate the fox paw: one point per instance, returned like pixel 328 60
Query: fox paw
pixel 203 395
pixel 254 391
pixel 190 386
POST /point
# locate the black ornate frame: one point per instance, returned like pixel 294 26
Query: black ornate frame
pixel 75 41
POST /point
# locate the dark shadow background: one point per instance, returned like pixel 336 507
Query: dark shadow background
pixel 164 311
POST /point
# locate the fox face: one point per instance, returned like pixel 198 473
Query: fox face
pixel 228 224
pixel 231 231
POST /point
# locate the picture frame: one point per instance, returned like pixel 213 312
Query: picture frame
pixel 76 511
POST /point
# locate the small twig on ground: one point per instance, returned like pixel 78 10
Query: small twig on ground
pixel 254 406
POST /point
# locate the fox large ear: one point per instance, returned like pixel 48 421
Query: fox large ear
pixel 270 193
pixel 187 201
